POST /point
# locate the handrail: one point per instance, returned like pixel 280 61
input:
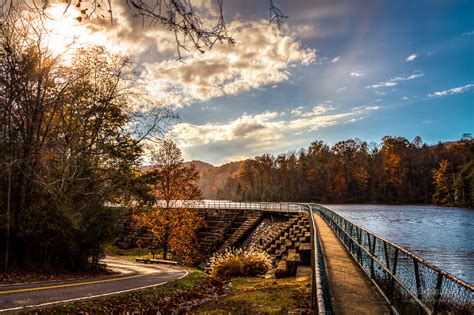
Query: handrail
pixel 408 283
pixel 320 302
pixel 263 206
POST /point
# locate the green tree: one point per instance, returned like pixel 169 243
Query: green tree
pixel 66 149
pixel 171 219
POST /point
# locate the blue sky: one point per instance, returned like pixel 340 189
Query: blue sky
pixel 362 59
pixel 336 70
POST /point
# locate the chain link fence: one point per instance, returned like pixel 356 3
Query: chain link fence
pixel 409 284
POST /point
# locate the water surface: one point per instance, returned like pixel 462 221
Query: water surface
pixel 442 236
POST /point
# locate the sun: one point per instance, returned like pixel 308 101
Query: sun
pixel 64 33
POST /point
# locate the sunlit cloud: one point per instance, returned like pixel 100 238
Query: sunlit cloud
pixel 263 132
pixel 336 59
pixel 456 90
pixel 265 57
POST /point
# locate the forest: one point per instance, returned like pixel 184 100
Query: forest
pixel 353 171
pixel 71 148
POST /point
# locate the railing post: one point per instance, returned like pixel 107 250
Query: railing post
pixel 372 269
pixel 418 282
pixel 359 240
pixel 439 282
pixel 394 272
pixel 387 261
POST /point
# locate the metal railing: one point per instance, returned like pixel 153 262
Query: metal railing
pixel 320 300
pixel 263 206
pixel 407 282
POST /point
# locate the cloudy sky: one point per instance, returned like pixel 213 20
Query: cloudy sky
pixel 335 70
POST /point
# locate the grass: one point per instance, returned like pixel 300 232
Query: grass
pixel 140 301
pixel 263 296
pixel 132 253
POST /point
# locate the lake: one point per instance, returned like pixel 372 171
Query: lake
pixel 442 236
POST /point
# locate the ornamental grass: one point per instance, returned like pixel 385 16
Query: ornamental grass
pixel 239 262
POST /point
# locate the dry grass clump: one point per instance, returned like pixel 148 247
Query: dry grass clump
pixel 239 262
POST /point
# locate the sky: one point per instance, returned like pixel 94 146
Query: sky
pixel 335 70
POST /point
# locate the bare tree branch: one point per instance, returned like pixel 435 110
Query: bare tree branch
pixel 177 16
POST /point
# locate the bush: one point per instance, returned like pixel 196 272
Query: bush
pixel 239 262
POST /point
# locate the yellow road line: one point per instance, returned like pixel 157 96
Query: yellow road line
pixel 68 285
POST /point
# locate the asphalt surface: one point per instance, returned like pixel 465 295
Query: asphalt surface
pixel 133 276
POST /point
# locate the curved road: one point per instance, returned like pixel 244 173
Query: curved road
pixel 133 276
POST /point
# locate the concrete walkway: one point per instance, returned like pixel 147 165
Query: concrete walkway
pixel 350 289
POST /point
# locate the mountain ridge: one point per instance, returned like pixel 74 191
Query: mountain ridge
pixel 213 178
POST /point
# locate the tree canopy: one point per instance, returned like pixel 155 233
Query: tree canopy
pixel 68 150
pixel 352 171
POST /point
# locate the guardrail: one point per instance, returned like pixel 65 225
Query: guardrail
pixel 408 283
pixel 320 300
pixel 263 206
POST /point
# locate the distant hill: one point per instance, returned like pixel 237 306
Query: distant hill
pixel 212 178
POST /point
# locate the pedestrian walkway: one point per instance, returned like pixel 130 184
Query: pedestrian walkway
pixel 350 290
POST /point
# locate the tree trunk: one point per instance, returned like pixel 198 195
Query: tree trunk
pixel 7 241
pixel 165 246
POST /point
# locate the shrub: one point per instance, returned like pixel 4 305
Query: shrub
pixel 239 262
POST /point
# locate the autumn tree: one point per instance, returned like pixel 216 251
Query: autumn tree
pixel 171 220
pixel 443 185
pixel 396 171
pixel 351 156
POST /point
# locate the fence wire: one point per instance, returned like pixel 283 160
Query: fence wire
pixel 409 283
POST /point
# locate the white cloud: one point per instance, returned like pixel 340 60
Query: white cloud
pixel 357 74
pixel 262 56
pixel 394 81
pixel 467 34
pixel 382 84
pixel 456 90
pixel 342 89
pixel 407 78
pixel 336 59
pixel 404 98
pixel 297 111
pixel 305 31
pixel 256 134
pixel 411 57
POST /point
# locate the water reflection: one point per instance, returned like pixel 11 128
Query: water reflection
pixel 442 236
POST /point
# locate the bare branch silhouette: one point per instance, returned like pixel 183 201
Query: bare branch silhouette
pixel 177 16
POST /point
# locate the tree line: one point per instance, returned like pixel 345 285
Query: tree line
pixel 353 171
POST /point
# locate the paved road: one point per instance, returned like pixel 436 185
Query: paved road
pixel 133 276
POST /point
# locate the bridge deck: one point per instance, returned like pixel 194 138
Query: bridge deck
pixel 350 290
